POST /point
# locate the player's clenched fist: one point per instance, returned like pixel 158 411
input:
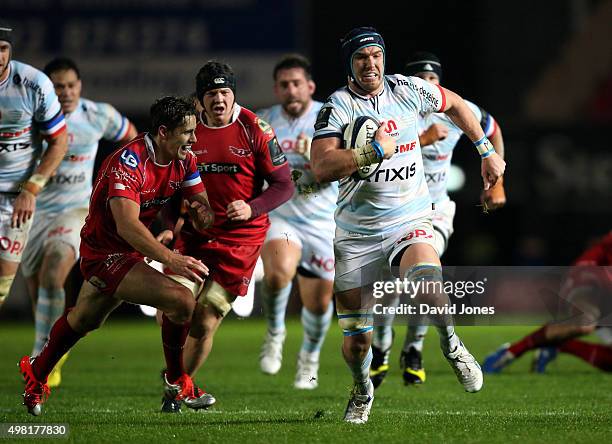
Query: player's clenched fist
pixel 387 142
pixel 187 266
pixel 492 169
pixel 239 210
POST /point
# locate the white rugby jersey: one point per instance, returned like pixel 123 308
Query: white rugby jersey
pixel 397 192
pixel 311 202
pixel 28 106
pixel 72 184
pixel 437 156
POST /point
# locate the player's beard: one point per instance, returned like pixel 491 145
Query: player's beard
pixel 295 111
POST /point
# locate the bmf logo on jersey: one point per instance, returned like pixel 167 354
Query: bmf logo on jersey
pixel 129 159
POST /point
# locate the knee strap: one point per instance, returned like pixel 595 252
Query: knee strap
pixel 355 322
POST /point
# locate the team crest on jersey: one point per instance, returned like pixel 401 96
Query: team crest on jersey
pixel 264 126
pixel 240 152
pixel 130 159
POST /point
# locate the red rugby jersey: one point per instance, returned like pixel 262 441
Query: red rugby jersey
pixel 131 172
pixel 234 161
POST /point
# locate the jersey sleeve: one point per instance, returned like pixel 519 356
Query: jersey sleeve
pixel 192 183
pixel 332 118
pixel 428 98
pixel 115 126
pixel 126 176
pixel 268 154
pixel 47 111
pixel 487 122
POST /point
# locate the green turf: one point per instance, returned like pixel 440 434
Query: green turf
pixel 111 391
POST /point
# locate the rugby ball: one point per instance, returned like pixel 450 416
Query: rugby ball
pixel 357 134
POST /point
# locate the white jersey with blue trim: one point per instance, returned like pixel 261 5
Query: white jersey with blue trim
pixel 437 156
pixel 396 193
pixel 312 202
pixel 28 109
pixel 71 185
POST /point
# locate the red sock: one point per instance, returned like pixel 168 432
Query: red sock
pixel 529 342
pixel 61 339
pixel 597 355
pixel 173 340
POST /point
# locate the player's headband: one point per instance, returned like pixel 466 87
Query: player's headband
pixel 423 62
pixel 355 40
pixel 6 33
pixel 219 81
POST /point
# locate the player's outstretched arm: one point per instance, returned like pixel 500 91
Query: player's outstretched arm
pixel 493 165
pixel 129 227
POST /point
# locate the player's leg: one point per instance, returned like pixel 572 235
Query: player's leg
pixel 597 355
pixel 90 312
pixel 12 243
pixel 355 319
pixel 214 302
pixel 280 255
pixel 419 261
pixel 411 357
pixel 317 313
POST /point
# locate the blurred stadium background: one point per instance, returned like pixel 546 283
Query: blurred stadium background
pixel 543 69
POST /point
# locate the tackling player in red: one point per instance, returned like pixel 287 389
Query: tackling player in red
pixel 133 184
pixel 236 151
pixel 587 288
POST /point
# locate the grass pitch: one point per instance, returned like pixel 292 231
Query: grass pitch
pixel 111 391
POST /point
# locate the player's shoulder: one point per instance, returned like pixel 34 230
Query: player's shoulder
pixel 253 123
pixel 268 113
pixel 26 75
pixel 96 108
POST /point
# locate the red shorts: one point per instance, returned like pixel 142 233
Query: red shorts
pixel 105 272
pixel 231 266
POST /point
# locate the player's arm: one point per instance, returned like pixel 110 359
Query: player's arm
pixel 25 202
pixel 329 162
pixel 126 214
pixel 493 165
pixel 202 215
pixel 431 135
pixel 495 197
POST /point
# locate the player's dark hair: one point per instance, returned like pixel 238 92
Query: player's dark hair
pixel 294 61
pixel 61 64
pixel 170 112
pixel 214 75
pixel 423 61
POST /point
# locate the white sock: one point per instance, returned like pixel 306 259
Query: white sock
pixel 49 308
pixel 382 337
pixel 275 305
pixel 415 335
pixel 315 328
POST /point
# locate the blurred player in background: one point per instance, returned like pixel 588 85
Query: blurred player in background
pixel 301 233
pixel 133 184
pixel 62 205
pixel 588 288
pixel 27 104
pixel 236 151
pixel 438 138
pixel 384 221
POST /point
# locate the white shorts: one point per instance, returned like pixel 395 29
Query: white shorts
pixel 63 227
pixel 362 259
pixel 316 242
pixel 442 220
pixel 12 240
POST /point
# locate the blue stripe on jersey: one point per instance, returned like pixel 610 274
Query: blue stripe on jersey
pixel 192 176
pixel 118 136
pixel 53 121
